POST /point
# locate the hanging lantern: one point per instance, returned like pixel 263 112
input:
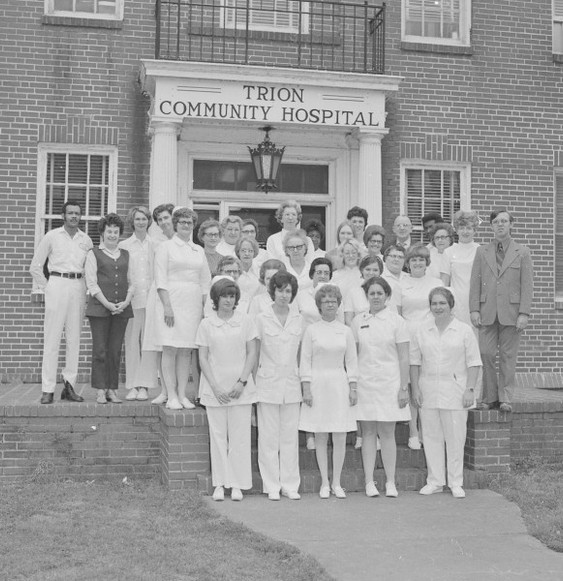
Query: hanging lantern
pixel 266 160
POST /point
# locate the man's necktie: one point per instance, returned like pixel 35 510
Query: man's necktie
pixel 500 255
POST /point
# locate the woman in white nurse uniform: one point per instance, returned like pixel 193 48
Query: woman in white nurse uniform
pixel 329 372
pixel 279 390
pixel 383 363
pixel 227 355
pixel 445 364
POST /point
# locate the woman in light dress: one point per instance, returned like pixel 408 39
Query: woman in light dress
pixel 444 367
pixel 262 300
pixel 458 262
pixel 329 372
pixel 441 237
pixel 227 355
pixel 349 276
pixel 415 287
pixel 140 366
pixel 250 229
pixel 374 240
pixel 383 363
pixel 182 280
pixel 247 250
pixel 289 216
pixel 279 390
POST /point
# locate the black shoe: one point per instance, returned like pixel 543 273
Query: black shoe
pixel 69 394
pixel 46 397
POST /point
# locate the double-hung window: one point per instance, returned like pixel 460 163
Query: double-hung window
pixel 269 15
pixel 436 21
pixel 86 175
pixel 432 187
pixel 557 26
pixel 99 9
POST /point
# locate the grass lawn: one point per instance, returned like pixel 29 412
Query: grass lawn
pixel 109 530
pixel 537 488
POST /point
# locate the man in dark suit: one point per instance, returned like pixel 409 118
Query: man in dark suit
pixel 500 299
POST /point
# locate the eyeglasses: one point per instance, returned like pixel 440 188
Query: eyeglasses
pixel 442 237
pixel 250 231
pixel 329 302
pixel 229 272
pixel 186 222
pixel 212 234
pixel 295 248
pixel 375 241
pixel 396 256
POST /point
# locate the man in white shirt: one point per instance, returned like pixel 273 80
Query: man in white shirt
pixel 65 248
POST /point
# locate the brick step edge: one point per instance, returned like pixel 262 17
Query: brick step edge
pixel 406 479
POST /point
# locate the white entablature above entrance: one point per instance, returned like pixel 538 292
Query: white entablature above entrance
pixel 342 104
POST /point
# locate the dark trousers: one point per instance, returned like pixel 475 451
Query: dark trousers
pixel 107 339
pixel 501 340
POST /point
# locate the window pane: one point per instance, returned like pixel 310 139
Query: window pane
pixel 57 168
pixel 239 176
pixel 85 6
pixel 63 5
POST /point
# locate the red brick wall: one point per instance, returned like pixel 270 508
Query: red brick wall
pixel 500 106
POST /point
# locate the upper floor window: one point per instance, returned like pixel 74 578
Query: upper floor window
pixel 558 26
pixel 86 175
pixel 436 21
pixel 433 187
pixel 104 9
pixel 272 15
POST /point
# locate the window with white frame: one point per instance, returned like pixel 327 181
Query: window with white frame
pixel 558 26
pixel 433 188
pixel 436 21
pixel 559 236
pixel 274 15
pixel 104 9
pixel 87 176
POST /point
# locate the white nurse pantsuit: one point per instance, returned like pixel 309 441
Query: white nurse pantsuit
pixel 229 424
pixel 279 396
pixel 444 360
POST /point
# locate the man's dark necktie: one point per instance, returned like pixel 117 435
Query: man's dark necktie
pixel 500 256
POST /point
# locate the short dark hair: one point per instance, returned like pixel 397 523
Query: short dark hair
pixel 162 208
pixel 110 220
pixel 445 292
pixel 223 288
pixel 441 226
pixel 372 230
pixel 270 264
pixel 317 262
pixel 367 284
pixel 357 212
pixel 280 280
pixel 186 213
pixel 205 225
pixel 370 259
pixel 317 225
pixel 431 216
pixel 71 203
pixel 418 250
pixel 498 211
pixel 252 222
pixel 392 247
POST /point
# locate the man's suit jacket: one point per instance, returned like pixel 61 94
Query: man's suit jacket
pixel 507 293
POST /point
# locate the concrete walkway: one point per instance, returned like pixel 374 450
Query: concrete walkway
pixel 481 537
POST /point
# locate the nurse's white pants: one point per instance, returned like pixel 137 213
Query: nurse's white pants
pixel 444 432
pixel 65 302
pixel 140 366
pixel 229 440
pixel 278 446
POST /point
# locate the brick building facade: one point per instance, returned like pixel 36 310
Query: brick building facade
pixel 467 112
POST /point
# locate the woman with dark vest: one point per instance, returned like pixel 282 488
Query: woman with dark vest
pixel 109 306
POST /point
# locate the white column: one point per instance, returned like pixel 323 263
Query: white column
pixel 369 194
pixel 164 162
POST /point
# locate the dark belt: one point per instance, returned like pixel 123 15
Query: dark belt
pixel 67 274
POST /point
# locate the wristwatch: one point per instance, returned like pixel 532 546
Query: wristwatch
pixel 239 380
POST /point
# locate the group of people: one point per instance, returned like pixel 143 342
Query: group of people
pixel 376 331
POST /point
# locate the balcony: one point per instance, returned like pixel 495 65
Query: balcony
pixel 323 36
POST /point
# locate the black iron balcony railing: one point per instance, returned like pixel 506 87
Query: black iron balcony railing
pixel 326 35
